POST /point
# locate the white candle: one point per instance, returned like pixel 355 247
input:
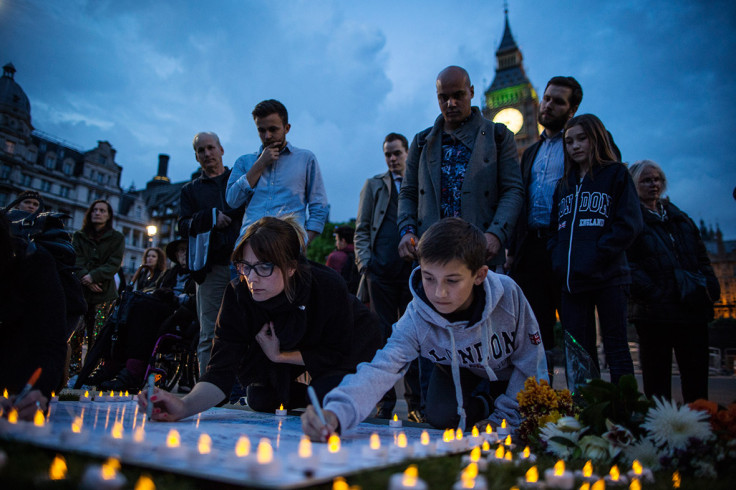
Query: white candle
pixel 305 459
pixel 395 423
pixel 615 478
pixel 39 427
pixel 586 474
pixel 469 478
pixel 265 466
pixel 75 436
pixel 531 479
pixel 526 456
pixel 503 430
pixel 401 448
pixel 173 449
pixel 105 476
pixel 640 472
pixel 475 457
pixel 425 446
pixel 281 411
pixel 374 450
pixel 333 453
pixel 558 477
pixel 85 398
pixel 408 480
pixel 137 448
pixel 205 454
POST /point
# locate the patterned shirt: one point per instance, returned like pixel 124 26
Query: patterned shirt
pixel 455 158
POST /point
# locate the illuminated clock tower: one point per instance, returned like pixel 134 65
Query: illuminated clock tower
pixel 511 99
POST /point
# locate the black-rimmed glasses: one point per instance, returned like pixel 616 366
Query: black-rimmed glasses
pixel 263 269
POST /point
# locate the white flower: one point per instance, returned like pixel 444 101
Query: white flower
pixel 597 448
pixel 645 451
pixel 560 447
pixel 569 424
pixel 673 427
pixel 618 435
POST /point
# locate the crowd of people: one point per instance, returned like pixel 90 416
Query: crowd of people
pixel 461 259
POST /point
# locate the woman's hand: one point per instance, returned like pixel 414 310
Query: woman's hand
pixel 166 407
pixel 87 280
pixel 313 426
pixel 27 407
pixel 269 342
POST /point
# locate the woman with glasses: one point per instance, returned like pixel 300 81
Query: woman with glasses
pixel 672 292
pixel 284 317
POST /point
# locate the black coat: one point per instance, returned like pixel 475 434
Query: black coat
pixel 333 331
pixel 592 225
pixel 663 246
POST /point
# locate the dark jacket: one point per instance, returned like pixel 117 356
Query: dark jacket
pixel 100 259
pixel 330 327
pixel 592 225
pixel 492 192
pixel 664 246
pixel 198 200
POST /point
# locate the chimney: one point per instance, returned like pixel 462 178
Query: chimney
pixel 163 165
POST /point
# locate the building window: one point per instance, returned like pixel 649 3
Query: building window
pixel 3 199
pixel 102 159
pixel 4 172
pixel 68 167
pixel 26 180
pixel 9 146
pixel 42 147
pixel 64 191
pixel 61 153
pixel 45 185
pixel 51 162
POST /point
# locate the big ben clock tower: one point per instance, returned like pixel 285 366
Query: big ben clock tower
pixel 511 99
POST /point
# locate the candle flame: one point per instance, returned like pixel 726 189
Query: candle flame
pixel 503 424
pixel 139 434
pixel 532 475
pixel 204 444
pixel 333 443
pixel 489 429
pixel 305 448
pixel 120 393
pixel 588 469
pixel 615 473
pixel 396 418
pixel 526 453
pixel 599 485
pixel 173 439
pixel 459 435
pixel 401 441
pixel 475 432
pixel 53 394
pixel 5 393
pixel 242 447
pixel 144 483
pixel 559 468
pixel 375 442
pixel 449 435
pixel 57 471
pixel 86 394
pixel 411 474
pixel 636 466
pixel 500 452
pixel 100 395
pixel 38 419
pixel 109 469
pixel 128 394
pixel 424 438
pixel 339 483
pixel 585 486
pixel 264 453
pixel 77 425
pixel 470 472
pixel 281 406
pixel 676 480
pixel 475 455
pixel 486 447
pixel 635 484
pixel 112 393
pixel 117 430
pixel 508 456
pixel 507 441
pixel 13 416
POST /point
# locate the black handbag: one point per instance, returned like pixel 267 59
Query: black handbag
pixel 693 288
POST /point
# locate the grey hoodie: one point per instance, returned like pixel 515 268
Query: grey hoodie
pixel 504 345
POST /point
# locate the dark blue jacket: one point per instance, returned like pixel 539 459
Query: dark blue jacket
pixel 593 222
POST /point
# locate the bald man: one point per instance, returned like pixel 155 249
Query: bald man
pixel 464 166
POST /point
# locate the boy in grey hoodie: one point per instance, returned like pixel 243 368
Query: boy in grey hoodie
pixel 477 327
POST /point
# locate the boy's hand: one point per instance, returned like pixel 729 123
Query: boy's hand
pixel 408 247
pixel 313 427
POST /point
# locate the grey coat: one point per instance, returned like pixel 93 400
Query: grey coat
pixel 492 189
pixel 374 200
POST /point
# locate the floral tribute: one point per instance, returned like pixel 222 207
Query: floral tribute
pixel 617 425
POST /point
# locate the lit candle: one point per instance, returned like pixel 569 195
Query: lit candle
pixel 558 477
pixel 395 423
pixel 173 449
pixel 40 427
pixel 425 446
pixel 85 398
pixel 489 435
pixel 374 449
pixel 265 466
pixel 461 442
pixel 469 478
pixel 531 479
pixel 640 473
pixel 500 455
pixel 615 479
pixel 475 457
pixel 115 439
pixel 508 443
pixel 409 479
pixel 204 455
pixel 401 446
pixel 54 397
pixel 305 459
pixel 586 474
pixel 5 393
pixel 527 456
pixel 281 411
pixel 106 476
pixel 57 470
pixel 503 430
pixel 475 438
pixel 75 435
pixel 333 453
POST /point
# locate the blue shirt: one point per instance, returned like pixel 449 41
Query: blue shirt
pixel 547 169
pixel 291 185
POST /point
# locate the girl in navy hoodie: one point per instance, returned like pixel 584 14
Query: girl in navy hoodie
pixel 595 218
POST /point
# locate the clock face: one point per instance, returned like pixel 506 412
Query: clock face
pixel 510 117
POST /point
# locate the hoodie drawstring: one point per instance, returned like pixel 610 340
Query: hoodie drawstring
pixel 456 381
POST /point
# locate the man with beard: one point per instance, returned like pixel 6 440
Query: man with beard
pixel 279 179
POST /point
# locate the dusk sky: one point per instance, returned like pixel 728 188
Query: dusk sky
pixel 147 76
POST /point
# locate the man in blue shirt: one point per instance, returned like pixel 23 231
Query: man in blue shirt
pixel 279 179
pixel 542 165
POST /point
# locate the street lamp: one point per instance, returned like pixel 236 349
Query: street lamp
pixel 151 230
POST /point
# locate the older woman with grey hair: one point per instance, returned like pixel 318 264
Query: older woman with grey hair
pixel 672 292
